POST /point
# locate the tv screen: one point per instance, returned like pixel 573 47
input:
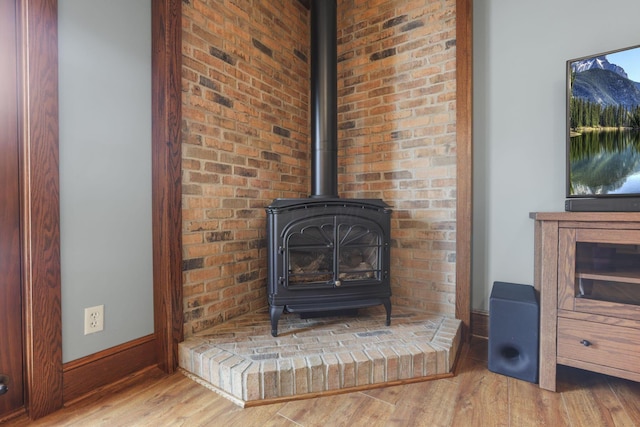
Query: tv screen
pixel 603 125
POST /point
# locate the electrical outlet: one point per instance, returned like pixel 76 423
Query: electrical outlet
pixel 93 319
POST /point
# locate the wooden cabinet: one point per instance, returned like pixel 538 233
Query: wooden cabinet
pixel 587 272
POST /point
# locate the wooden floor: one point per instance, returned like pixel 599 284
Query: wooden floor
pixel 474 397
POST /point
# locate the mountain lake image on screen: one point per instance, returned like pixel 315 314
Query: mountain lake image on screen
pixel 603 124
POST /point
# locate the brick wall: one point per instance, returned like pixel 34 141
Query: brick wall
pixel 397 135
pixel 245 109
pixel 246 140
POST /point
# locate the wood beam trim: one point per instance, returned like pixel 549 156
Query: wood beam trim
pixel 40 197
pixel 40 205
pixel 166 170
pixel 464 172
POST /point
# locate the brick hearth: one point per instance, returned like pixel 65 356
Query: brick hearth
pixel 243 362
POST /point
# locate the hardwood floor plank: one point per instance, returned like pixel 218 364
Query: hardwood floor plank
pixel 386 394
pixel 181 398
pixel 478 349
pixel 628 392
pixel 280 421
pixel 482 396
pixel 127 389
pixel 475 397
pixel 256 416
pixel 338 410
pixel 531 406
pixel 593 403
pixel 219 411
pixel 371 412
pixel 115 409
pixel 425 404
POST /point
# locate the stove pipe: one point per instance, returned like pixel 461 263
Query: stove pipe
pixel 324 99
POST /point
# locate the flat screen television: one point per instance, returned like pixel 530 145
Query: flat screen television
pixel 603 131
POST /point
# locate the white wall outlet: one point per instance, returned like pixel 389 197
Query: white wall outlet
pixel 93 319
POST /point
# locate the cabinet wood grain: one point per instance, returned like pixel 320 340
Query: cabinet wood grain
pixel 590 317
pixel 599 343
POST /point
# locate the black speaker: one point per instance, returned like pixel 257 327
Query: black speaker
pixel 514 332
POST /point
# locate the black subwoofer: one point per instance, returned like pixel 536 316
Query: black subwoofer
pixel 514 332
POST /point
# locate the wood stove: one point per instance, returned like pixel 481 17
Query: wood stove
pixel 326 254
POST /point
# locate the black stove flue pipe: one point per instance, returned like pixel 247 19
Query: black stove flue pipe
pixel 324 99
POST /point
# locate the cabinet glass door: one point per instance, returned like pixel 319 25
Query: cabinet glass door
pixel 608 272
pixel 604 272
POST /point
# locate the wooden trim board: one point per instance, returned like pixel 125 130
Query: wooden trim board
pixel 464 161
pixel 480 324
pixel 87 374
pixel 38 33
pixel 41 281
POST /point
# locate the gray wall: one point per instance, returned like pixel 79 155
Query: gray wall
pixel 520 52
pixel 105 171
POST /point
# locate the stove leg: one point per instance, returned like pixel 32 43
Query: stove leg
pixel 275 312
pixel 387 307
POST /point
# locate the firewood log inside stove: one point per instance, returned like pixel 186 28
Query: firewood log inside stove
pixel 353 266
pixel 308 263
pixel 352 258
pixel 364 270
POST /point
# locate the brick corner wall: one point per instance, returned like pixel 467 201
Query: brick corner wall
pixel 397 87
pixel 245 142
pixel 246 132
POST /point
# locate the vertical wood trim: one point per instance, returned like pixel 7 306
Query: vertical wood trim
pixel 40 205
pixel 11 355
pixel 546 282
pixel 480 324
pixel 566 268
pixel 464 171
pixel 40 195
pixel 166 169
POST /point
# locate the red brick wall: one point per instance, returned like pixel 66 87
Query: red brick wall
pixel 397 135
pixel 245 109
pixel 246 140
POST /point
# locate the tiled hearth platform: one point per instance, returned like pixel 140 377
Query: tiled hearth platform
pixel 243 362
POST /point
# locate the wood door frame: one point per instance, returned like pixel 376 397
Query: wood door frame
pixel 39 176
pixel 166 60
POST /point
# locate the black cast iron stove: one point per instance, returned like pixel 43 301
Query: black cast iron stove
pixel 326 254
